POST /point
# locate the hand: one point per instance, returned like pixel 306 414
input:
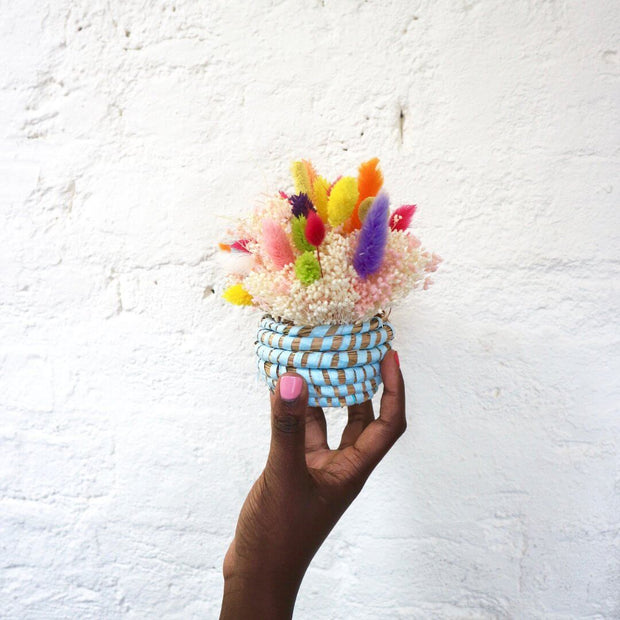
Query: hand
pixel 303 491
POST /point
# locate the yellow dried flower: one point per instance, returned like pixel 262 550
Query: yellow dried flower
pixel 342 200
pixel 299 170
pixel 319 196
pixel 237 295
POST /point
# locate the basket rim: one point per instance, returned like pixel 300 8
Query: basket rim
pixel 327 329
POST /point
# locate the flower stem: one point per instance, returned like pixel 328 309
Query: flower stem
pixel 318 256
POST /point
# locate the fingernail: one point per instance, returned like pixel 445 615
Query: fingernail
pixel 396 358
pixel 290 387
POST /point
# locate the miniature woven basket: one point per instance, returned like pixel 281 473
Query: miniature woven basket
pixel 340 363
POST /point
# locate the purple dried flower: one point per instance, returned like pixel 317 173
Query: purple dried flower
pixel 373 238
pixel 301 204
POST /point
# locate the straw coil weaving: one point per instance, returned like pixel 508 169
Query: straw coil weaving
pixel 340 363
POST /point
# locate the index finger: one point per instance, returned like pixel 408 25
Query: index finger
pixel 381 434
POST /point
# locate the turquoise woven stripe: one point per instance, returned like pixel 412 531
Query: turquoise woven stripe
pixel 349 342
pixel 317 331
pixel 325 359
pixel 353 374
pixel 336 391
pixel 327 344
pixel 324 401
pixel 332 401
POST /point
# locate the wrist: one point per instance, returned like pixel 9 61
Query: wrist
pixel 258 595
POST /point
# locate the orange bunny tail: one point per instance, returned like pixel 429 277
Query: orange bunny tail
pixel 369 179
pixel 369 182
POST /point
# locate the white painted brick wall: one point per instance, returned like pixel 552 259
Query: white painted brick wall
pixel 131 422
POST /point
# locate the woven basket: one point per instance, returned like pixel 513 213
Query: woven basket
pixel 340 363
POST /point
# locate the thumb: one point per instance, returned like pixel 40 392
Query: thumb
pixel 288 421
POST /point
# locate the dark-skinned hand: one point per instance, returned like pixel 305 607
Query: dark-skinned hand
pixel 303 491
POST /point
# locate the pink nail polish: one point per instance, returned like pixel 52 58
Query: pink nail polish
pixel 290 387
pixel 396 358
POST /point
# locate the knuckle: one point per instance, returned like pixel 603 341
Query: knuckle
pixel 287 423
pixel 396 426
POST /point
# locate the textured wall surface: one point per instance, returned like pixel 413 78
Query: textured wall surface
pixel 131 421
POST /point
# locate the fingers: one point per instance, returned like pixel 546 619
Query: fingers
pixel 360 416
pixel 380 435
pixel 316 430
pixel 288 419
